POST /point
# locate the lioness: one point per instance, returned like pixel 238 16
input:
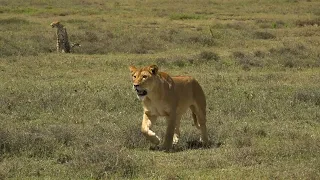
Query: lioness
pixel 162 95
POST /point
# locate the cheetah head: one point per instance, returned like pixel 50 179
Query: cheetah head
pixel 55 24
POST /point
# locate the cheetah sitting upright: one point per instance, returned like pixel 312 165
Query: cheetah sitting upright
pixel 63 44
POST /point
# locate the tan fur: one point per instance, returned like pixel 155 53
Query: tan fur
pixel 170 97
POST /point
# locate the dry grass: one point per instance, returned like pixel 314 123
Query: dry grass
pixel 75 115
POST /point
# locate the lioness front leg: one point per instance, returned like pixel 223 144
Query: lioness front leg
pixel 171 123
pixel 145 129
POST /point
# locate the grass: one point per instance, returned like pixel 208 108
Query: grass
pixel 74 116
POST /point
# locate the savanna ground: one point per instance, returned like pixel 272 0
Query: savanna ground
pixel 75 116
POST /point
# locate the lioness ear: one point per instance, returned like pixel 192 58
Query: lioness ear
pixel 154 69
pixel 132 69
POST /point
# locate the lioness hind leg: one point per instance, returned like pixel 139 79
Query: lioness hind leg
pixel 176 135
pixel 203 129
pixel 199 117
pixel 204 134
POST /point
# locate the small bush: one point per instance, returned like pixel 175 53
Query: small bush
pixel 263 35
pixel 39 145
pixel 62 134
pixel 237 26
pixel 259 54
pixel 247 156
pixel 25 46
pixel 5 144
pixel 202 39
pixel 278 24
pixel 269 24
pixel 161 61
pixel 247 61
pixel 179 63
pixel 243 137
pixel 106 161
pixel 64 158
pixel 91 36
pixel 313 22
pixel 294 55
pixel 261 133
pixel 76 21
pixel 308 95
pixel 209 55
pixel 184 16
pixel 238 55
pixel 31 143
pixel 14 20
pixel 134 137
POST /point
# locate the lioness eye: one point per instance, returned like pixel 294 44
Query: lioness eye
pixel 134 76
pixel 144 76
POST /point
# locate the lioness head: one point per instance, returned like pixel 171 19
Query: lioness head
pixel 143 79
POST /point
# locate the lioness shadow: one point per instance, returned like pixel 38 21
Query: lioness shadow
pixel 189 145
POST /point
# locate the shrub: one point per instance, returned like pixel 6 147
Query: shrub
pixel 259 54
pixel 161 61
pixel 62 134
pixel 184 16
pixel 105 161
pixel 238 55
pixel 278 24
pixel 31 143
pixel 201 39
pixel 308 95
pixel 312 22
pixel 243 137
pixel 247 61
pixel 5 144
pixel 263 35
pixel 179 62
pixel 134 137
pixel 294 55
pixel 204 57
pixel 209 55
pixel 91 36
pixel 13 20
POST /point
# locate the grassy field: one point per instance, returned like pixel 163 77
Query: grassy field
pixel 75 116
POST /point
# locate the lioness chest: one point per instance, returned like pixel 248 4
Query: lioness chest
pixel 178 101
pixel 157 108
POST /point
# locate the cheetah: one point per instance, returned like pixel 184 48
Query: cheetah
pixel 63 44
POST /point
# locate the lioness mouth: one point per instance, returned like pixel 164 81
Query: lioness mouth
pixel 141 92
